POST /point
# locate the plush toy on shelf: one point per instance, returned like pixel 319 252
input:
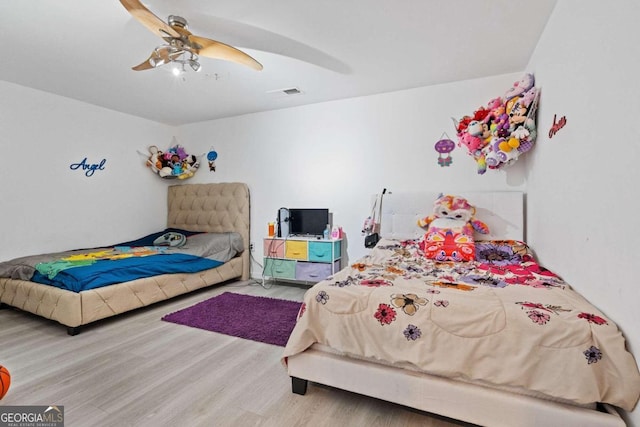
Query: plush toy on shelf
pixel 449 230
pixel 519 87
pixel 189 165
pixel 173 163
pixel 496 135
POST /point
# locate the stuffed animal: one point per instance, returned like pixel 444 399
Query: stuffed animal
pixel 449 230
pixel 520 87
pixel 473 143
pixel 189 167
pixel 509 119
pixel 165 171
pixel 475 128
pixel 154 161
pixel 491 153
pixel 529 96
pixel 173 163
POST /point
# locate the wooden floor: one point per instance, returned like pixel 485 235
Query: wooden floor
pixel 136 370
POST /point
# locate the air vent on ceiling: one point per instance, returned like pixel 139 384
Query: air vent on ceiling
pixel 290 91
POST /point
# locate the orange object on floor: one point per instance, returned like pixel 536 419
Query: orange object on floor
pixel 5 381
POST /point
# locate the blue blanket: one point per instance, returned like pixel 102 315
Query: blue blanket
pixel 107 272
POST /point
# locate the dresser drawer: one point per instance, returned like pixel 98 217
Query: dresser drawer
pixel 274 248
pixel 296 249
pixel 280 268
pixel 314 272
pixel 321 251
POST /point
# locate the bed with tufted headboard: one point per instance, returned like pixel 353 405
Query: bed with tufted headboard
pixel 201 209
pixel 497 340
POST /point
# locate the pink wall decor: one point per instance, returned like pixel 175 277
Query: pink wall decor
pixel 556 126
pixel 444 147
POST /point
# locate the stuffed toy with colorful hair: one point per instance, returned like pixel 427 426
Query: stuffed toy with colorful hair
pixel 449 230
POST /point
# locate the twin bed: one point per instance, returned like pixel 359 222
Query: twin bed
pixel 201 211
pixel 499 341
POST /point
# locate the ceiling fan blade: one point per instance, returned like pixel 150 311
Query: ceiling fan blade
pixel 148 19
pixel 213 49
pixel 146 65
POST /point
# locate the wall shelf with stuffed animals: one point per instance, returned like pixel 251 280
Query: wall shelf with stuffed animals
pixel 173 163
pixel 496 135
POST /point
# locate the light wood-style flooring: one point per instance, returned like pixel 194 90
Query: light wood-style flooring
pixel 136 370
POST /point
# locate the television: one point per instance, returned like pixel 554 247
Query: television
pixel 308 222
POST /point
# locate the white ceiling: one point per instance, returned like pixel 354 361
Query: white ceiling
pixel 329 49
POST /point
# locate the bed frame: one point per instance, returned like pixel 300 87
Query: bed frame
pixel 474 403
pixel 221 207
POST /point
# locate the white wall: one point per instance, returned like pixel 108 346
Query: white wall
pixel 337 154
pixel 46 206
pixel 334 155
pixel 582 184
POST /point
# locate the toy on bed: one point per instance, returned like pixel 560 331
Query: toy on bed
pixel 450 229
pixel 497 135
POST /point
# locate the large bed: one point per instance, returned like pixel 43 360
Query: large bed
pixel 499 341
pixel 197 210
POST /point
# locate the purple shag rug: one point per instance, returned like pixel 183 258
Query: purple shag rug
pixel 262 319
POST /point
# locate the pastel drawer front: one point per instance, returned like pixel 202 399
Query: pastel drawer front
pixel 274 248
pixel 280 268
pixel 296 249
pixel 314 272
pixel 321 251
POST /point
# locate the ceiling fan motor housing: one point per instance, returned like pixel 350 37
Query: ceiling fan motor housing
pixel 177 21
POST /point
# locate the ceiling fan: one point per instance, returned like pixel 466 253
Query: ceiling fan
pixel 181 46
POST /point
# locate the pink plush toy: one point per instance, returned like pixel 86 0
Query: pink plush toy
pixel 450 229
pixel 472 143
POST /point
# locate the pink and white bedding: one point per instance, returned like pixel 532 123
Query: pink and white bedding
pixel 502 320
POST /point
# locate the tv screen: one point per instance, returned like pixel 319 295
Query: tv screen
pixel 308 221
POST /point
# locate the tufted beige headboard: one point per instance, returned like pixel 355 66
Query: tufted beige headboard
pixel 212 208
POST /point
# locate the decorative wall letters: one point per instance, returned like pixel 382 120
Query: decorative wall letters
pixel 89 169
pixel 556 126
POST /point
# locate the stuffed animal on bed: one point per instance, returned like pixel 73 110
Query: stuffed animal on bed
pixel 450 229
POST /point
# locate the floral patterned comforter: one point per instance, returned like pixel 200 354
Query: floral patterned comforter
pixel 500 320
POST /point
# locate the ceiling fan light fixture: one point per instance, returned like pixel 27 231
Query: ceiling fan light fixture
pixel 156 61
pixel 195 65
pixel 193 62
